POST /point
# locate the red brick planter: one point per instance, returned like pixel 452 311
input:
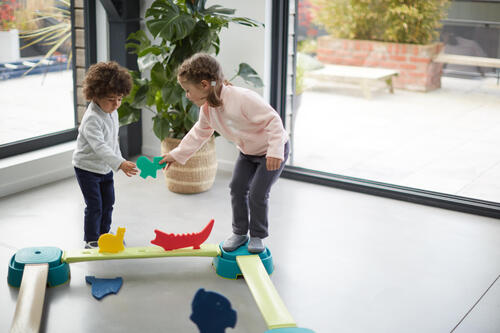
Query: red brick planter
pixel 414 62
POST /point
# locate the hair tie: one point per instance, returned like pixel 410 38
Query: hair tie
pixel 213 83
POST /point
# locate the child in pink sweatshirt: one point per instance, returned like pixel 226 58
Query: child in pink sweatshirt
pixel 243 117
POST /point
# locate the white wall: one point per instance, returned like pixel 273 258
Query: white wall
pixel 238 44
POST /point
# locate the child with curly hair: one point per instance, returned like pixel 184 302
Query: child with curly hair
pixel 243 117
pixel 97 152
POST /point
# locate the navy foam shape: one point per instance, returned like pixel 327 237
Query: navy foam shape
pixel 104 287
pixel 212 312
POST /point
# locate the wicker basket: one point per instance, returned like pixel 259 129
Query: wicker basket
pixel 197 175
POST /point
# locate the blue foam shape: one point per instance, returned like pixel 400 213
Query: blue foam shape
pixel 227 267
pixel 104 287
pixel 212 312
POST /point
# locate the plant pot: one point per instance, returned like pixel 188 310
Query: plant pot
pixel 197 175
pixel 9 40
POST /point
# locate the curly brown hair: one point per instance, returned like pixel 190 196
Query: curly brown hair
pixel 106 78
pixel 202 66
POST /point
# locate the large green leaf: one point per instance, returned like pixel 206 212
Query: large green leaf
pixel 218 9
pixel 202 37
pixel 195 6
pixel 193 112
pixel 169 22
pixel 249 75
pixel 158 75
pixel 185 103
pixel 139 41
pixel 171 93
pixel 161 127
pixel 140 97
pixel 128 114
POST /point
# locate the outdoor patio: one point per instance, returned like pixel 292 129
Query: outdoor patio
pixel 36 105
pixel 445 140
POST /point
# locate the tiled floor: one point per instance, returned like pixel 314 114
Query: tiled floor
pixel 445 140
pixel 344 261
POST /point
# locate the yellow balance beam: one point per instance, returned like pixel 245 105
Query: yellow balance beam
pixel 205 250
pixel 267 298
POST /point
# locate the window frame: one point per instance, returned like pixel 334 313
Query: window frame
pixel 55 138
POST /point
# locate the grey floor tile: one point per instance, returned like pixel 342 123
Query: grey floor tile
pixel 344 261
pixel 484 316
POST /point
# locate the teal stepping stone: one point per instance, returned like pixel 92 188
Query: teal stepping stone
pixel 149 168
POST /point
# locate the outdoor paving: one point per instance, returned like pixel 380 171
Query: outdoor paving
pixel 445 140
pixel 36 105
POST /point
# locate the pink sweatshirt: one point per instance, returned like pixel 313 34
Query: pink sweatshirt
pixel 244 118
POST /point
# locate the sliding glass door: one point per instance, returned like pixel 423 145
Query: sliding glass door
pixel 385 127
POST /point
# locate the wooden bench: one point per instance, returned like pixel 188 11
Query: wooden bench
pixel 456 59
pixel 364 76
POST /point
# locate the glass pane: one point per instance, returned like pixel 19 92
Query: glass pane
pixel 437 133
pixel 36 76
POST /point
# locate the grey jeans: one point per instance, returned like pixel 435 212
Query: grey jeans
pixel 250 187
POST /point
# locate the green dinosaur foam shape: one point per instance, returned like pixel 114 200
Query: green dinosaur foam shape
pixel 149 168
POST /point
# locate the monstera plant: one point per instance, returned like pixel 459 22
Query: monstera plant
pixel 176 30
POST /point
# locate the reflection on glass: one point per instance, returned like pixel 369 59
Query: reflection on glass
pixel 469 41
pixel 36 79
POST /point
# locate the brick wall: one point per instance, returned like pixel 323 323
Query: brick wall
pixel 416 69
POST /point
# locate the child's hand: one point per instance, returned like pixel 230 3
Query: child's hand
pixel 273 163
pixel 167 158
pixel 128 168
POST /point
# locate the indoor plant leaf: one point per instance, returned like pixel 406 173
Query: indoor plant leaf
pixel 161 127
pixel 128 114
pixel 169 23
pixel 248 74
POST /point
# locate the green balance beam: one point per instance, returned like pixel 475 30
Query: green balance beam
pixel 205 250
pixel 268 300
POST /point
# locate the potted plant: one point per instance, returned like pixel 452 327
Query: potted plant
pixel 9 35
pixel 393 34
pixel 177 29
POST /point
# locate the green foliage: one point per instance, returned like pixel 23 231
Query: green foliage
pixel 307 46
pixel 400 21
pixel 179 29
pixel 299 78
pixel 55 35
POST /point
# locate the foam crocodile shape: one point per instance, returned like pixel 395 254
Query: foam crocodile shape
pixel 178 241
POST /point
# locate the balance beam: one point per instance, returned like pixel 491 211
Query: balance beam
pixel 205 250
pixel 263 291
pixel 29 307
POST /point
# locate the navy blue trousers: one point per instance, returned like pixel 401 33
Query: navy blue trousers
pixel 250 187
pixel 99 194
